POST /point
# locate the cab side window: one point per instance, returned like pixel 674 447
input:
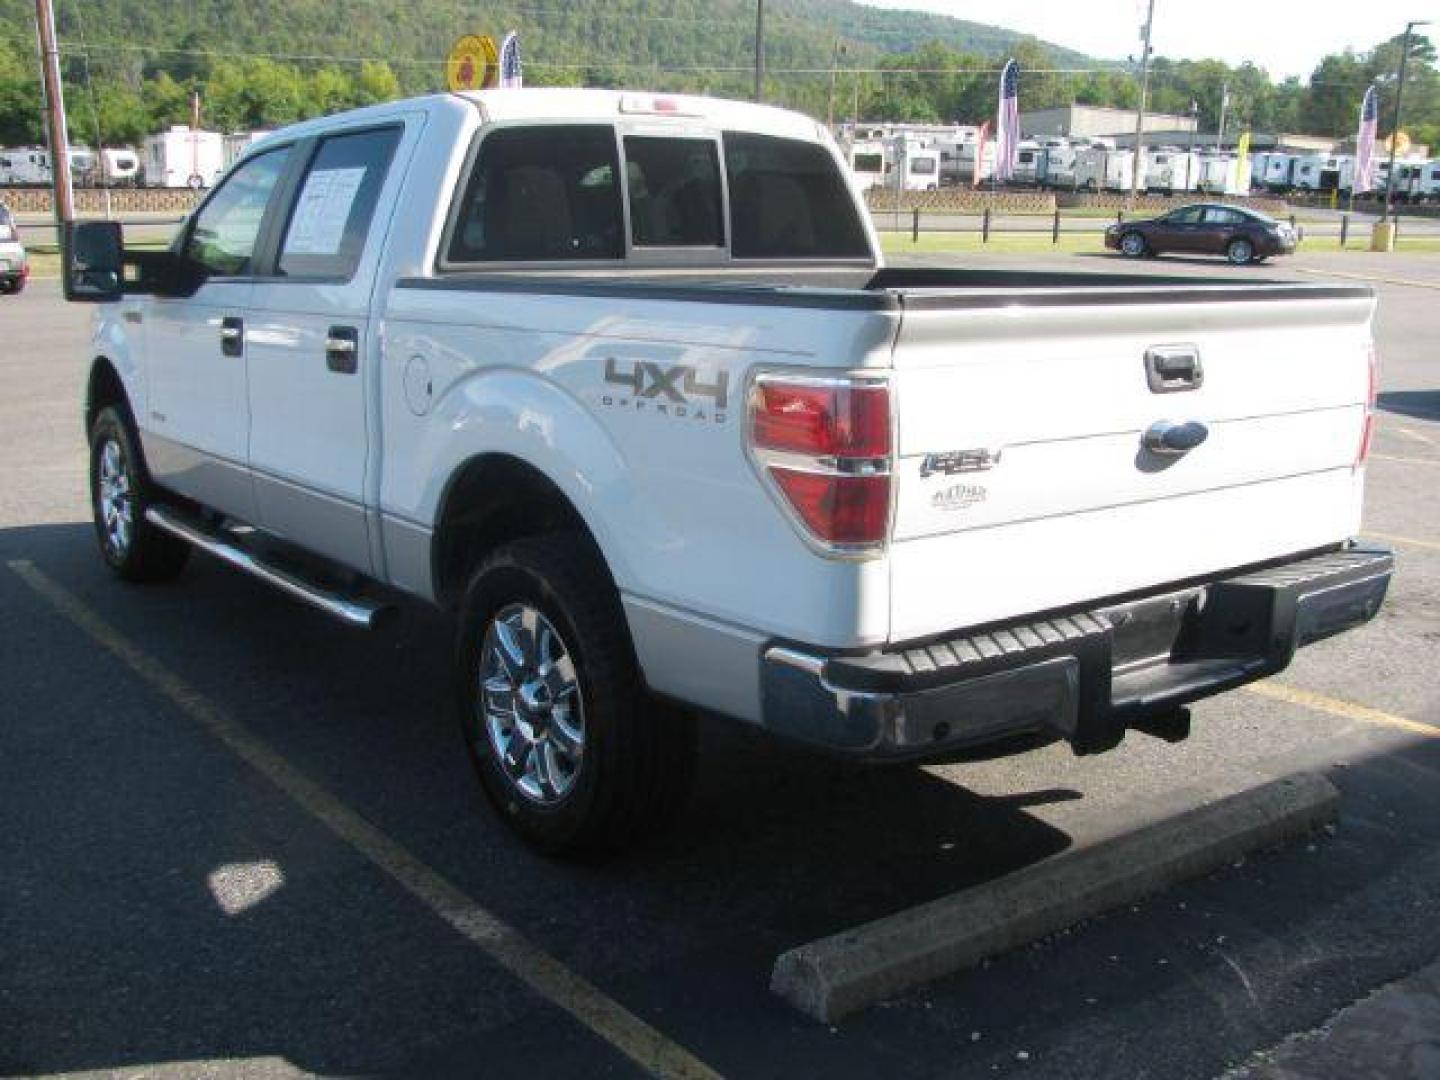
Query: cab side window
pixel 222 240
pixel 330 220
pixel 539 194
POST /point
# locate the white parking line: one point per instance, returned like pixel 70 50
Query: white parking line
pixel 608 1019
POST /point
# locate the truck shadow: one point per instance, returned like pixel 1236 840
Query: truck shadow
pixel 1419 404
pixel 777 847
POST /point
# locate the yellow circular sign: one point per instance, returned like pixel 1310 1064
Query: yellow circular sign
pixel 467 66
pixel 1401 141
pixel 492 61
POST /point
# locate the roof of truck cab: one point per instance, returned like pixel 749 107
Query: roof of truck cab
pixel 566 103
pixel 559 103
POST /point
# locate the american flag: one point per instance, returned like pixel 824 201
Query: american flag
pixel 510 73
pixel 1007 122
pixel 1364 179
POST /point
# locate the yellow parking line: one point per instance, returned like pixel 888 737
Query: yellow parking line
pixel 1368 277
pixel 1411 433
pixel 1405 460
pixel 1347 710
pixel 608 1019
pixel 1403 541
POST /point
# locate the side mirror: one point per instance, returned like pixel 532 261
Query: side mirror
pixel 94 267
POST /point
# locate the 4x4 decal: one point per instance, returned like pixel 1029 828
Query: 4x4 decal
pixel 669 389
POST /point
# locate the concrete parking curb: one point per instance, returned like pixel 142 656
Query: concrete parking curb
pixel 830 978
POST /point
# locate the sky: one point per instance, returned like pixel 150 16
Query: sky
pixel 1286 37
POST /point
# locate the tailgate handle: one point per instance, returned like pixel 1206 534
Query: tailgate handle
pixel 1169 368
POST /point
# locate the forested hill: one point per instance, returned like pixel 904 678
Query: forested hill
pixel 257 63
pixel 608 35
pixel 131 66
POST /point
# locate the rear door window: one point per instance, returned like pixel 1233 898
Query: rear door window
pixel 788 201
pixel 674 192
pixel 542 193
pixel 331 216
pixel 1219 215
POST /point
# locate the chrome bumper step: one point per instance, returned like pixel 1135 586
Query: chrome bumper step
pixel 359 612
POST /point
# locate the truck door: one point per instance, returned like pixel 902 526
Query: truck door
pixel 312 357
pixel 197 423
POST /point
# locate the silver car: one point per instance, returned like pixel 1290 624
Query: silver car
pixel 14 264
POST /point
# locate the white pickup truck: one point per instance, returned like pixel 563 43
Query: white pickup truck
pixel 620 379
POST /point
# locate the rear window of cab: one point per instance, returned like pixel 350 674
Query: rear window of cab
pixel 554 193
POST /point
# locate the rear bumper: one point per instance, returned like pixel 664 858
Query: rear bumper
pixel 1083 676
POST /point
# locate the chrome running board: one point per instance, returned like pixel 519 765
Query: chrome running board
pixel 361 613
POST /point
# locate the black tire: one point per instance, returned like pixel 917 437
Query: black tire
pixel 1240 251
pixel 145 554
pixel 18 286
pixel 1133 245
pixel 638 755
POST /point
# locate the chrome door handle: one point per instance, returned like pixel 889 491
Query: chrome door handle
pixel 232 336
pixel 1169 368
pixel 342 350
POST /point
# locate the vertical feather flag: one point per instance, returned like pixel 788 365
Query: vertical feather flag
pixel 1007 121
pixel 510 67
pixel 1364 179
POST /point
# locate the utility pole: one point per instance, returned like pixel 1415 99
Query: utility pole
pixel 1395 127
pixel 1140 112
pixel 55 121
pixel 759 50
pixel 1224 106
pixel 830 105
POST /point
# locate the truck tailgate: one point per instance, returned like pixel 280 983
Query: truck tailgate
pixel 1024 484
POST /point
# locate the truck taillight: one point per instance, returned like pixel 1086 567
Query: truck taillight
pixel 824 444
pixel 1368 431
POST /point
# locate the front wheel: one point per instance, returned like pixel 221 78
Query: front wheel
pixel 1133 245
pixel 119 494
pixel 1240 252
pixel 568 746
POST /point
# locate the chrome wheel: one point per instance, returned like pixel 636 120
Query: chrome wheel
pixel 1132 244
pixel 117 505
pixel 1241 251
pixel 530 704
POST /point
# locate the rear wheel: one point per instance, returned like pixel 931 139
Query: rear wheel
pixel 1240 251
pixel 568 746
pixel 119 496
pixel 1133 245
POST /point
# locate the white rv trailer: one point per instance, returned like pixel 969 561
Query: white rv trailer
pixel 182 157
pixel 119 166
pixel 867 161
pixel 1099 168
pixel 1170 170
pixel 1029 157
pixel 1273 171
pixel 917 164
pixel 237 142
pixel 1057 164
pixel 1220 174
pixel 25 165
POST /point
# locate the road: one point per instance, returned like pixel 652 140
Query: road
pixel 226 819
pixel 1318 226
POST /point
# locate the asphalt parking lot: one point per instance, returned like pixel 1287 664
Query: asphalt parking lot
pixel 168 907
